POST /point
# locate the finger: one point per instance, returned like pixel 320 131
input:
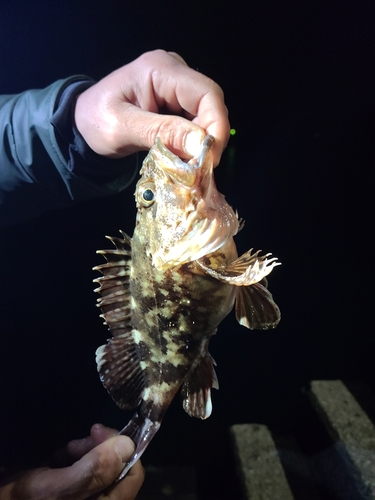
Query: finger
pixel 79 447
pixel 138 129
pixel 45 484
pixel 98 433
pixel 101 466
pixel 127 488
pixel 177 57
pixel 179 86
pixel 90 475
pixel 181 136
pixel 180 89
pixel 135 478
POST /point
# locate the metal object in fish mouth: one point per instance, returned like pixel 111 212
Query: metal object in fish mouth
pixel 165 291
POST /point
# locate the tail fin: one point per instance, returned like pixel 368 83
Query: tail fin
pixel 141 430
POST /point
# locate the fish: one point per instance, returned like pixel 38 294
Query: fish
pixel 165 290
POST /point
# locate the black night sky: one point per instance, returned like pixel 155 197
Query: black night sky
pixel 299 85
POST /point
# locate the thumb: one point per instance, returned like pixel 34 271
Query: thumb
pixel 137 130
pixel 99 468
pixel 181 136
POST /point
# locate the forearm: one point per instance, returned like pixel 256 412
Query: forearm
pixel 44 162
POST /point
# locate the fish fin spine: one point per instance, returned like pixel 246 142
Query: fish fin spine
pixel 114 285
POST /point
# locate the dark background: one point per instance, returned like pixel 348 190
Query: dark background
pixel 299 85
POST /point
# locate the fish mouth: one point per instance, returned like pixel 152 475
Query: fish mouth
pixel 178 170
pixel 206 221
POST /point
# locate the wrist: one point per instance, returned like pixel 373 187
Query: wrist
pixel 82 122
pixel 94 122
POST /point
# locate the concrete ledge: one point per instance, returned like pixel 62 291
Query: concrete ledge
pixel 351 461
pixel 261 474
pixel 343 470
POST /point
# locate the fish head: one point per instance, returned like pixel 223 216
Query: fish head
pixel 181 216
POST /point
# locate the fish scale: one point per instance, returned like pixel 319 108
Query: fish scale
pixel 165 291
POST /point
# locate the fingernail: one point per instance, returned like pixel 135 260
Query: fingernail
pixel 193 143
pixel 124 447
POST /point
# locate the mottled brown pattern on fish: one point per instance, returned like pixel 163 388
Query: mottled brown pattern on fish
pixel 166 290
pixel 172 315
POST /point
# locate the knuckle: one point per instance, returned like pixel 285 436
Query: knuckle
pixel 150 57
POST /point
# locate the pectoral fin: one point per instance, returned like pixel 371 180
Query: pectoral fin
pixel 255 308
pixel 248 269
pixel 196 391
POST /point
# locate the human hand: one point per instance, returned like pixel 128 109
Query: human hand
pixel 100 460
pixel 120 114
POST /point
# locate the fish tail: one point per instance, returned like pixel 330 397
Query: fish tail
pixel 141 429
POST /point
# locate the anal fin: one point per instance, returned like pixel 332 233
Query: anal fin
pixel 196 390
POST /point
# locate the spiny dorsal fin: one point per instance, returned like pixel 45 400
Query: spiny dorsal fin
pixel 114 285
pixel 118 362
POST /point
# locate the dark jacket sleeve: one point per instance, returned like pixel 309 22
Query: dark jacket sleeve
pixel 44 162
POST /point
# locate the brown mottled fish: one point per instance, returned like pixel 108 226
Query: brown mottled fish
pixel 165 291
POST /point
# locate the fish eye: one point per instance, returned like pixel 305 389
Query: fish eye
pixel 146 194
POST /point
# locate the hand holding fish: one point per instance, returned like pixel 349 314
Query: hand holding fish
pixel 121 114
pixel 99 460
